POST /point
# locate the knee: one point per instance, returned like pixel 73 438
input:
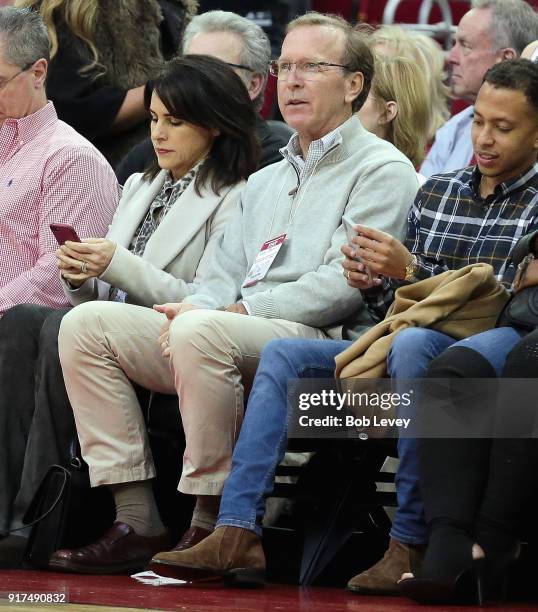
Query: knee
pixel 24 317
pixel 409 348
pixel 195 331
pixel 48 337
pixel 460 362
pixel 522 360
pixel 79 328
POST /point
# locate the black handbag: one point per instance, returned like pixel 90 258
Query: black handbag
pixel 522 309
pixel 65 512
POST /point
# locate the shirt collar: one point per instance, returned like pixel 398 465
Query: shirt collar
pixel 507 186
pixel 293 148
pixel 27 128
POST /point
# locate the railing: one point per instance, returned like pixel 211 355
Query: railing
pixel 444 29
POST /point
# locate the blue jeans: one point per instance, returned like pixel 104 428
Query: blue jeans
pixel 263 437
pixel 409 357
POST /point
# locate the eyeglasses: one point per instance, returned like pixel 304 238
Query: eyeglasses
pixel 240 66
pixel 23 69
pixel 305 69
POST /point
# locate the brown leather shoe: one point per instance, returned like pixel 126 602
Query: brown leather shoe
pixel 382 578
pixel 119 551
pixel 232 553
pixel 191 537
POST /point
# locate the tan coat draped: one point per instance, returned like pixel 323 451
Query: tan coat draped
pixel 459 303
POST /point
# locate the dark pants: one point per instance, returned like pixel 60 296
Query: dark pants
pixel 36 418
pixel 489 481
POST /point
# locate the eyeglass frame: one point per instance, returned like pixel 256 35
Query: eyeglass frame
pixel 274 63
pixel 241 66
pixel 25 68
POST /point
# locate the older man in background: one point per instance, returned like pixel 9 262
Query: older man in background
pixel 491 32
pixel 245 47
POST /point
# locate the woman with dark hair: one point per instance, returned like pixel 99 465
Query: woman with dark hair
pixel 158 248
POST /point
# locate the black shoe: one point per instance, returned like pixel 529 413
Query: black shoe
pixel 449 574
pixel 12 549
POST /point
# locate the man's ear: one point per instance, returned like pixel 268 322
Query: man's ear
pixel 507 53
pixel 39 70
pixel 255 86
pixel 354 85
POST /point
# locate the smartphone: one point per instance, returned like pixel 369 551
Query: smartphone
pixel 63 232
pixel 351 233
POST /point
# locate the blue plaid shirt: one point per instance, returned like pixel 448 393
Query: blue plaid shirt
pixel 451 226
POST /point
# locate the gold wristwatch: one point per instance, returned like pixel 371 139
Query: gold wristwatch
pixel 411 270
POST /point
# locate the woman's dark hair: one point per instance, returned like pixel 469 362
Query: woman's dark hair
pixel 206 92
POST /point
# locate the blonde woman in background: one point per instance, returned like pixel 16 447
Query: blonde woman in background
pixel 397 107
pixel 428 56
pixel 102 55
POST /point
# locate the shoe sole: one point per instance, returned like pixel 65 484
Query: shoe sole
pixel 434 593
pixel 76 568
pixel 380 592
pixel 237 577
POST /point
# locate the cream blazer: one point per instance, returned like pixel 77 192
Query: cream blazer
pixel 178 253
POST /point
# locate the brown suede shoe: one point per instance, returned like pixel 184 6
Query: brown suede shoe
pixel 382 578
pixel 191 537
pixel 119 551
pixel 232 553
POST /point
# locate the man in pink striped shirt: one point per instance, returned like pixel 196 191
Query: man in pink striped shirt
pixel 48 172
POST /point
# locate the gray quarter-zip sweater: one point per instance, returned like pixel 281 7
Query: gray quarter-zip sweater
pixel 360 176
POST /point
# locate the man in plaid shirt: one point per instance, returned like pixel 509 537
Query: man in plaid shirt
pixel 472 215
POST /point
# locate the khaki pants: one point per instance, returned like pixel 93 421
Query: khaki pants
pixel 214 355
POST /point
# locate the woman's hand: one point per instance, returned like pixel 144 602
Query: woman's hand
pixel 355 271
pixel 79 261
pixel 526 276
pixel 171 311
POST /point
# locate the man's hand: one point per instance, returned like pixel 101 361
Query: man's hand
pixel 238 308
pixel 79 261
pixel 171 311
pixel 383 254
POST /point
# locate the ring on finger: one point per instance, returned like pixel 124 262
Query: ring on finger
pixel 84 267
pixel 346 274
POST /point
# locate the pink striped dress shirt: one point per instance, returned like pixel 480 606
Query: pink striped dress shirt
pixel 49 173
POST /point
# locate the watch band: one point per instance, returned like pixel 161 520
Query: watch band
pixel 411 269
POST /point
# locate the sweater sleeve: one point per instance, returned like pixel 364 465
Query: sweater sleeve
pixel 321 298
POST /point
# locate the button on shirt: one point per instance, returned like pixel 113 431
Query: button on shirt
pixel 48 174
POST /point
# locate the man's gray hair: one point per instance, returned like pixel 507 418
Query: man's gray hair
pixel 256 51
pixel 23 36
pixel 514 23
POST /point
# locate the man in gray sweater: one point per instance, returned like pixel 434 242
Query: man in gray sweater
pixel 276 273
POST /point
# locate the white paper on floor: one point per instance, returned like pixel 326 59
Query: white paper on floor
pixel 156 580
